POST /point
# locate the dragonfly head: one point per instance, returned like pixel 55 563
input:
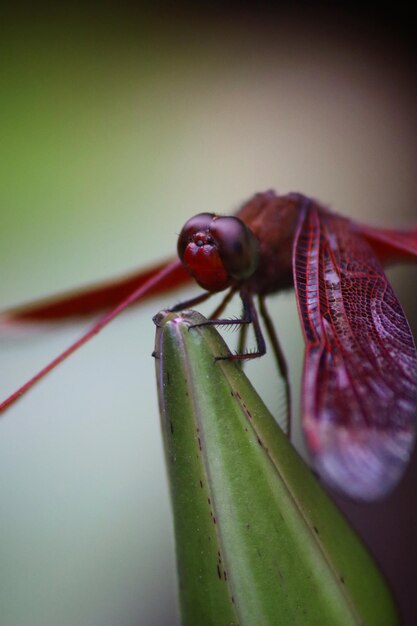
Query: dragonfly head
pixel 218 251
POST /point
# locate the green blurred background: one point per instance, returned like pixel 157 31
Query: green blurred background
pixel 116 125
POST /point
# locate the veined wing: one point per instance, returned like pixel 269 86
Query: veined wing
pixel 359 394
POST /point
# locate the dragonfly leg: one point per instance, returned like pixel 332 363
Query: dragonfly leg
pixel 243 336
pixel 279 358
pixel 249 316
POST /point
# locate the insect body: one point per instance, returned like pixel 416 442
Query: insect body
pixel 359 390
pixel 359 393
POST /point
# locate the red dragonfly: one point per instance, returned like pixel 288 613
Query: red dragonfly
pixel 359 389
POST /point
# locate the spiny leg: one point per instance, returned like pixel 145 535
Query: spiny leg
pixel 249 316
pixel 279 358
pixel 214 317
pixel 243 336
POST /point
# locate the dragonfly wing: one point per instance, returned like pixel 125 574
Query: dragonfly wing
pixel 96 298
pixel 390 245
pixel 359 390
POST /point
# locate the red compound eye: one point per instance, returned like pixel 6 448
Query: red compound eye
pixel 217 250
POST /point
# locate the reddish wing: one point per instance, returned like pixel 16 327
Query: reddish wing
pixel 390 245
pixel 96 298
pixel 360 370
pixel 144 288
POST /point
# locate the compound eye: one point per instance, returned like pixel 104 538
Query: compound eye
pixel 199 224
pixel 237 245
pixel 217 250
pixel 199 253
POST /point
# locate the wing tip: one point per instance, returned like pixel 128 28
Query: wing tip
pixel 365 468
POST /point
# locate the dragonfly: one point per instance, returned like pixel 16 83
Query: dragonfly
pixel 359 385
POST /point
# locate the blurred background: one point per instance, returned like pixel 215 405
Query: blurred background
pixel 117 125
